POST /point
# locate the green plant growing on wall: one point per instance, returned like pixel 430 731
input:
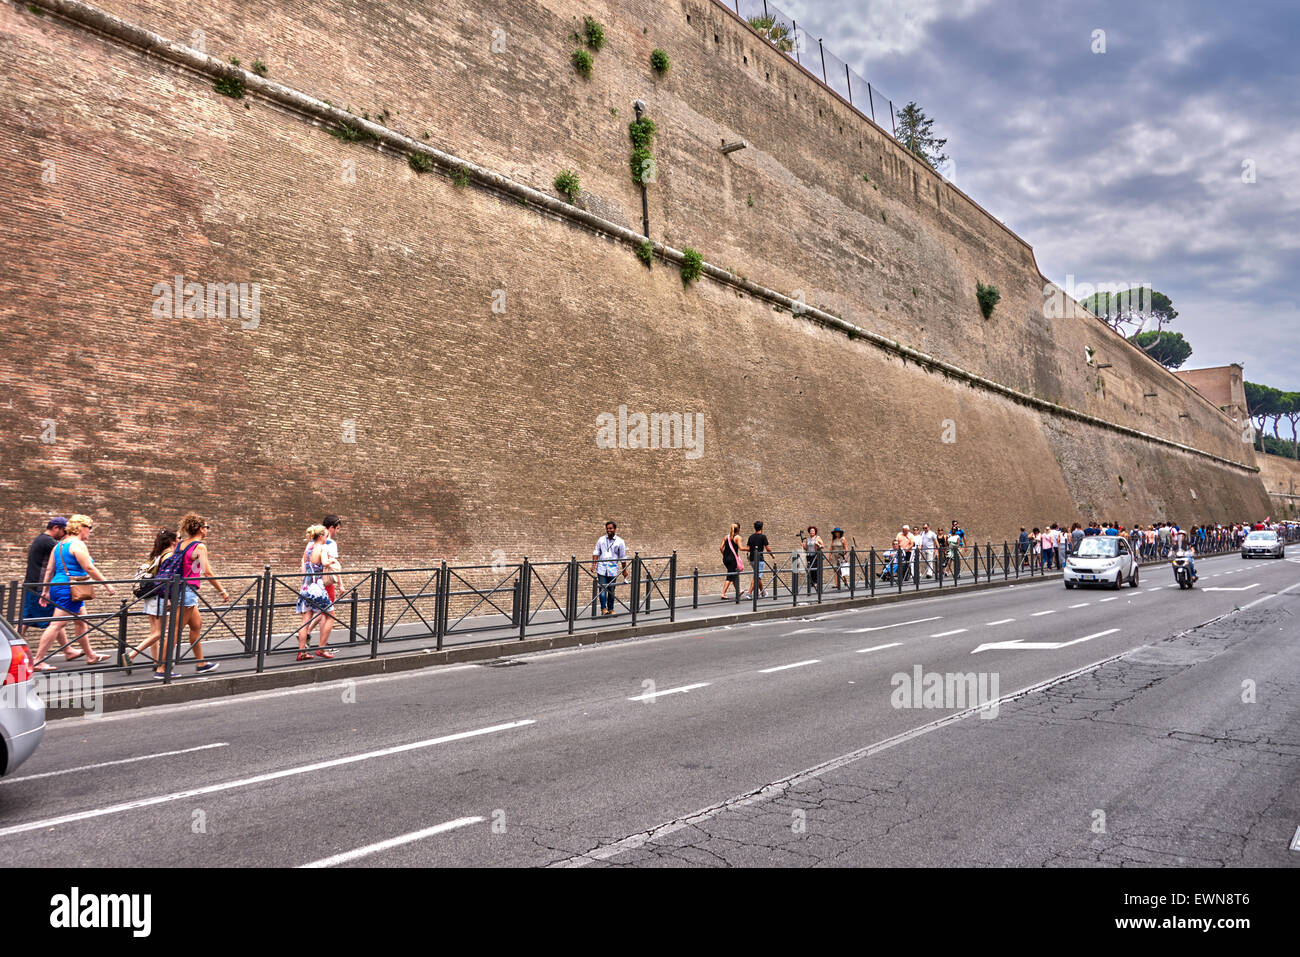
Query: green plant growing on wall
pixel 659 60
pixel 33 8
pixel 594 32
pixel 350 133
pixel 749 200
pixel 259 68
pixel 642 133
pixel 988 297
pixel 460 178
pixel 692 266
pixel 582 63
pixel 777 34
pixel 646 252
pixel 567 185
pixel 231 86
pixel 419 162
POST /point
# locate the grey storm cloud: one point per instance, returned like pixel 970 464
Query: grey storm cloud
pixel 1123 165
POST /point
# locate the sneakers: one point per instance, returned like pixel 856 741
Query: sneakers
pixel 159 676
pixel 206 667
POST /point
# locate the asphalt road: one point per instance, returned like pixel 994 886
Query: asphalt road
pixel 783 742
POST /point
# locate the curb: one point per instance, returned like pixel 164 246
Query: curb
pixel 144 696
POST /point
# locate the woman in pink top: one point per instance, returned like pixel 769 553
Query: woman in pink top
pixel 196 566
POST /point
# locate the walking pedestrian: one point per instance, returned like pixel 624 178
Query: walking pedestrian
pixel 68 584
pixel 196 567
pixel 758 546
pixel 38 557
pixel 928 543
pixel 330 557
pixel 315 604
pixel 731 559
pixel 839 550
pixel 155 606
pixel 813 548
pixel 608 561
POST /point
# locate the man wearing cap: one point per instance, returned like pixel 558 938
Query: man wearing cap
pixel 38 556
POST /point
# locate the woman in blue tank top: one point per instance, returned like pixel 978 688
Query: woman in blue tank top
pixel 70 560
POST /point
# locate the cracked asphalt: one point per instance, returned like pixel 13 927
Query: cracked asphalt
pixel 1142 727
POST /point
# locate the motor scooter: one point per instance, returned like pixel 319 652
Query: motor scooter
pixel 1182 569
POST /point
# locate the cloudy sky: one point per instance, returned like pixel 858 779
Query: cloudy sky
pixel 1119 166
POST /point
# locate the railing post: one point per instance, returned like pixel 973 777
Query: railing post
pixel 514 601
pixel 1006 556
pixel 263 632
pixel 352 618
pixel 754 562
pixel 248 627
pixel 672 587
pixel 12 595
pixel 822 50
pixel 871 571
pixel 821 575
pixel 975 562
pixel 525 576
pixel 898 568
pixel 794 33
pixel 572 604
pixel 121 634
pixel 636 585
pixel 649 591
pixel 848 83
pixel 794 584
pixel 916 568
pixel 381 583
pixel 871 99
pixel 595 594
pixel 441 604
pixel 695 588
pixel 853 570
pixel 172 627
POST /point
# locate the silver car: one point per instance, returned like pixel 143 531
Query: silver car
pixel 22 712
pixel 1101 560
pixel 1264 544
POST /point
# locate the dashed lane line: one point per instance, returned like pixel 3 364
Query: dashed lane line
pixel 652 695
pixel 955 631
pixel 892 644
pixel 797 664
pixel 392 842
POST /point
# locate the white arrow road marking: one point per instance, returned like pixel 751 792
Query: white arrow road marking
pixel 797 664
pixel 650 696
pixel 897 624
pixel 863 651
pixel 1242 588
pixel 393 842
pixel 945 634
pixel 1041 645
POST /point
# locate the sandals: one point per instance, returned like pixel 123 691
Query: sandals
pixel 79 654
pixel 97 659
pixel 324 653
pixel 305 656
pixel 44 667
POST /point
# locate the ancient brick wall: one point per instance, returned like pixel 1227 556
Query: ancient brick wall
pixel 477 430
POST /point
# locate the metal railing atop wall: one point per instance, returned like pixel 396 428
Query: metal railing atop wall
pixel 784 34
pixel 266 621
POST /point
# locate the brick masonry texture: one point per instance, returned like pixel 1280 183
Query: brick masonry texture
pixel 1282 479
pixel 476 431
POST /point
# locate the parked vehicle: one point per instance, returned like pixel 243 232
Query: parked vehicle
pixel 1101 560
pixel 1263 544
pixel 22 712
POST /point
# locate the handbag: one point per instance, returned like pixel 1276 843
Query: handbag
pixel 80 588
pixel 315 595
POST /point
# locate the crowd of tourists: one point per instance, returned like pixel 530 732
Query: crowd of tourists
pixel 62 577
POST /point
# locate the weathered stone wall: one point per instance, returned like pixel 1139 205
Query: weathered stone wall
pixel 475 430
pixel 1282 480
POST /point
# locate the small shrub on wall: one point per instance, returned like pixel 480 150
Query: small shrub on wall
pixel 582 63
pixel 692 266
pixel 988 297
pixel 567 185
pixel 659 60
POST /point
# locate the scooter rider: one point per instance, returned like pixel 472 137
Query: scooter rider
pixel 1189 553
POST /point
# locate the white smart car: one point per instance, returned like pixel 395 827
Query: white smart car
pixel 1102 560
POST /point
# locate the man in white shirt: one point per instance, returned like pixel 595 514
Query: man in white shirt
pixel 608 561
pixel 929 542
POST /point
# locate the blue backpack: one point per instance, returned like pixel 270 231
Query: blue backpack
pixel 170 567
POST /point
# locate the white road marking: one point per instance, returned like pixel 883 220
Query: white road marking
pixel 331 686
pixel 1020 643
pixel 945 634
pixel 650 696
pixel 105 764
pixel 863 651
pixel 1155 589
pixel 1039 614
pixel 1000 621
pixel 1082 604
pixel 777 788
pixel 1116 598
pixel 797 664
pixel 393 842
pixel 1242 588
pixel 258 779
pixel 897 624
